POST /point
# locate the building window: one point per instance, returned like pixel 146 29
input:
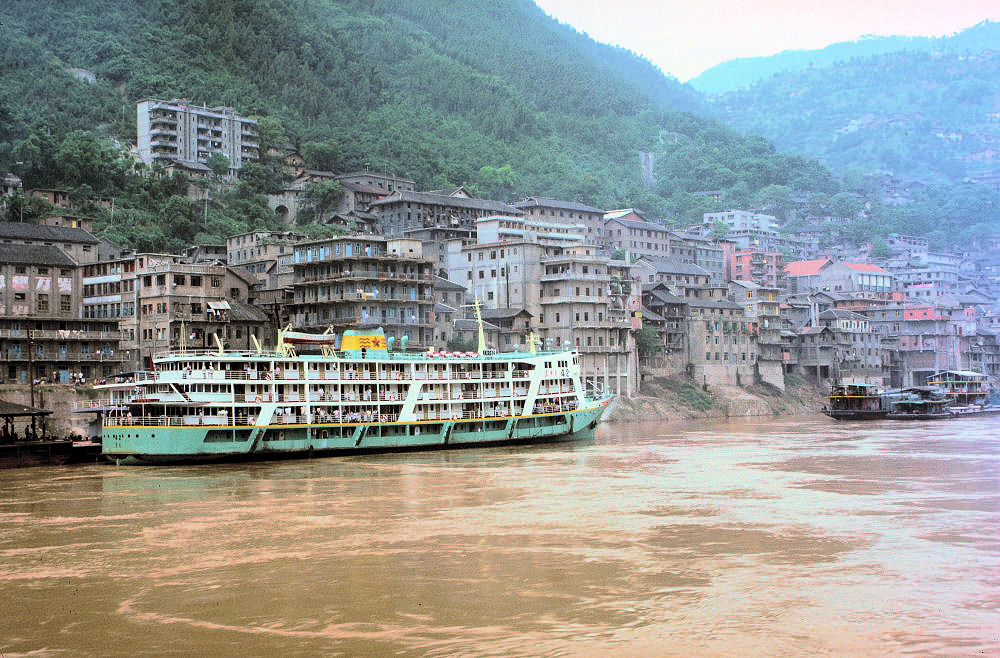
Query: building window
pixel 43 302
pixel 65 303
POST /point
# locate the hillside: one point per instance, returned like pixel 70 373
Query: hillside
pixel 498 97
pixel 415 87
pixel 742 72
pixel 920 116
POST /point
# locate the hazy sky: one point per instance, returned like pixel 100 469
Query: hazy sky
pixel 685 37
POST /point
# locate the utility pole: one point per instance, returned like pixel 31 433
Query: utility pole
pixel 31 370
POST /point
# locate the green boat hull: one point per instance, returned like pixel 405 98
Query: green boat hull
pixel 162 445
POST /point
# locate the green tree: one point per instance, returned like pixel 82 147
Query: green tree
pixel 322 196
pixel 219 164
pixel 879 249
pixel 647 342
pixel 496 182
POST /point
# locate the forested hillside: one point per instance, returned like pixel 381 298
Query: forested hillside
pixel 920 115
pixel 493 95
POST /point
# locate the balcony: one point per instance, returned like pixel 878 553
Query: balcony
pixel 623 323
pixel 55 334
pixel 573 299
pixel 594 349
pixel 573 276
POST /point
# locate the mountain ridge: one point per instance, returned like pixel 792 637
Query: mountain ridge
pixel 737 74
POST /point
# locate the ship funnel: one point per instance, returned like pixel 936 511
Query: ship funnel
pixel 402 343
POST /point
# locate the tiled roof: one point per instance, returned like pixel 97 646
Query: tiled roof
pixel 806 267
pixel 25 231
pixel 643 225
pixel 502 313
pixel 34 254
pixel 651 315
pixel 669 266
pixel 866 267
pixel 240 312
pixel 615 214
pixel 446 284
pixel 841 314
pixel 440 200
pixel 666 297
pixel 555 203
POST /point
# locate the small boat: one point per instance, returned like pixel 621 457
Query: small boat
pixel 920 403
pixel 856 402
pixel 968 392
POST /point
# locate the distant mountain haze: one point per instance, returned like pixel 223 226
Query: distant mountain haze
pixel 740 73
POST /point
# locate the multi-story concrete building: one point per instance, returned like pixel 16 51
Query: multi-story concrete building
pixel 164 303
pixel 591 304
pixel 263 253
pixel 351 281
pixel 721 350
pixel 680 278
pixel 402 210
pixel 637 236
pixel 500 275
pixel 762 311
pixel 42 333
pixel 740 220
pixel 765 268
pixel 449 298
pixel 437 240
pixel 700 251
pixel 838 277
pixel 505 229
pixel 176 130
pixel 922 283
pixel 555 211
pixel 858 348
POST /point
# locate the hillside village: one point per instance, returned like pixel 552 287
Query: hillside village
pixel 737 299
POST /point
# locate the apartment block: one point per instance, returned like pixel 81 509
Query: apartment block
pixel 177 131
pixel 42 333
pixel 592 304
pixel 346 282
pixel 403 210
pixel 556 211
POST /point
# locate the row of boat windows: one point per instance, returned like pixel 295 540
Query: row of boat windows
pixel 179 366
pixel 321 387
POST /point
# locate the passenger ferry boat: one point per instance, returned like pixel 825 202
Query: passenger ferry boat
pixel 199 406
pixel 856 402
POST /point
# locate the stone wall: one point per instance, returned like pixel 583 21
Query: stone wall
pixel 771 372
pixel 60 399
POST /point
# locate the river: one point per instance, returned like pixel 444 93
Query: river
pixel 763 537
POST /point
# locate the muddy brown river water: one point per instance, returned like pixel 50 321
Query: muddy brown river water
pixel 760 537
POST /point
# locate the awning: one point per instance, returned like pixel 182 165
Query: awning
pixel 219 306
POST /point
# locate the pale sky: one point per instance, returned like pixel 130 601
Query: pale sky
pixel 685 37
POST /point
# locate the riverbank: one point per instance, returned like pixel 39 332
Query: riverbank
pixel 677 398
